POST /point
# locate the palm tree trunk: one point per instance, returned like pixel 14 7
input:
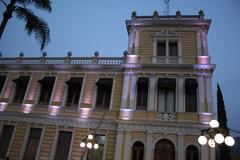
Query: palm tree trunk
pixel 6 16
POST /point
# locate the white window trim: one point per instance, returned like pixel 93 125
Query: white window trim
pixel 136 92
pixel 4 85
pixel 166 37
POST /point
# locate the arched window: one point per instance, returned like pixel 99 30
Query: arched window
pixel 138 151
pixel 164 150
pixel 192 153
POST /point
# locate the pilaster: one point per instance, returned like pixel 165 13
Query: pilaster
pixel 125 91
pixel 209 94
pixel 118 148
pixel 181 107
pixel 201 94
pixel 180 150
pixel 133 91
pixel 127 145
pixel 151 93
pixel 149 147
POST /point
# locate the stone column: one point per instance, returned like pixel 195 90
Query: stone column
pixel 201 94
pixel 209 94
pixel 205 43
pixel 130 41
pixel 152 93
pixel 133 91
pixel 149 147
pixel 118 149
pixel 180 150
pixel 181 92
pixel 125 91
pixel 127 145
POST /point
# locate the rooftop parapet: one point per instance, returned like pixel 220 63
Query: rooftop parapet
pixel 168 20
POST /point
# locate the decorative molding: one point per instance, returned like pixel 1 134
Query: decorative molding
pixel 120 125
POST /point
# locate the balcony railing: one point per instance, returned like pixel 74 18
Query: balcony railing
pixel 166 116
pixel 107 60
pixel 62 60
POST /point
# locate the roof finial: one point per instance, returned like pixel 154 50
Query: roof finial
pixel 167 7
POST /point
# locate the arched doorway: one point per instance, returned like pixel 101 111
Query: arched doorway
pixel 192 153
pixel 138 151
pixel 164 150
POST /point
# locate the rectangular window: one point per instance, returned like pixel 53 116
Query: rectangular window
pixel 32 144
pixel 173 49
pixel 5 140
pixel 142 93
pixel 20 89
pixel 47 84
pixel 161 49
pixel 97 154
pixel 104 91
pixel 74 90
pixel 166 95
pixel 63 145
pixel 191 95
pixel 2 82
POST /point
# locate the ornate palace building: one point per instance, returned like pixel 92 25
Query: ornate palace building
pixel 149 104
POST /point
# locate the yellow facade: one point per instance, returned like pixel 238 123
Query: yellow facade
pixel 122 123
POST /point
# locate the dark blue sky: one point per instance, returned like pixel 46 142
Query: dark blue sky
pixel 88 25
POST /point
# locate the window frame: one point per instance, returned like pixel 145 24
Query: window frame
pixel 55 142
pixel 175 95
pixel 197 96
pixel 4 83
pixel 40 90
pixel 26 141
pixel 96 94
pixel 67 91
pixel 16 87
pixel 166 36
pixel 12 137
pixel 147 95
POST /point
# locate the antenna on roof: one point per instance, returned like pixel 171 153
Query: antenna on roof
pixel 167 7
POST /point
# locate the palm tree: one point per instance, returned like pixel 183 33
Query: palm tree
pixel 34 24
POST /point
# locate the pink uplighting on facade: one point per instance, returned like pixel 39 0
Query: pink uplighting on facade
pixel 126 114
pixel 3 106
pixel 54 110
pixel 85 112
pixel 203 60
pixel 132 58
pixel 27 108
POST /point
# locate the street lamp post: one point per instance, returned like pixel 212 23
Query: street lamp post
pixel 215 135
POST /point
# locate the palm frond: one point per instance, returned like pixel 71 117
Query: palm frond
pixel 40 4
pixel 34 24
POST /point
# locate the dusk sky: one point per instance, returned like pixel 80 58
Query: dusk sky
pixel 86 26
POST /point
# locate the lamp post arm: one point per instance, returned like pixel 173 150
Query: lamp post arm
pixel 234 130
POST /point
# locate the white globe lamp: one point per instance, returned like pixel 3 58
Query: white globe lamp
pixel 214 123
pixel 89 145
pixel 219 138
pixel 90 136
pixel 229 141
pixel 202 140
pixel 82 144
pixel 211 143
pixel 95 146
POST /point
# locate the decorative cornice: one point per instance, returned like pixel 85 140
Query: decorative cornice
pixel 121 125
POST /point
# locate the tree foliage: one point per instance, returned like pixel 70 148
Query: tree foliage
pixel 33 23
